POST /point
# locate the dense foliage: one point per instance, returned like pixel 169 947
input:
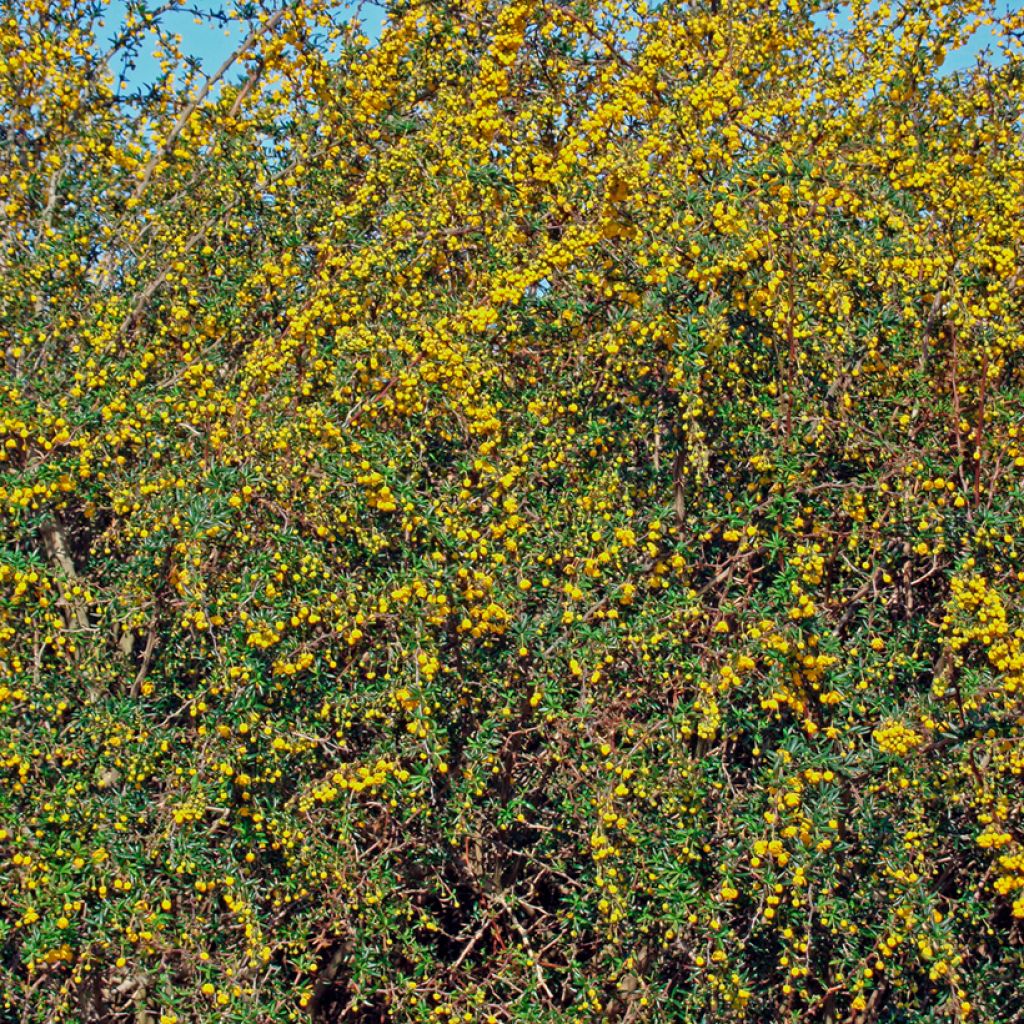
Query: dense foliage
pixel 515 520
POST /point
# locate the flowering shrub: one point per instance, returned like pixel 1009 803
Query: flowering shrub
pixel 515 520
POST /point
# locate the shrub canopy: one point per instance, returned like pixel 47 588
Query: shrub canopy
pixel 515 520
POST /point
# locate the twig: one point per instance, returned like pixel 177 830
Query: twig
pixel 147 657
pixel 474 939
pixel 979 430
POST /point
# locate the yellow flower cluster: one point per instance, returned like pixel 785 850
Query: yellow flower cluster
pixel 896 738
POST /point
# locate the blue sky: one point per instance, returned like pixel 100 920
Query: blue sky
pixel 211 44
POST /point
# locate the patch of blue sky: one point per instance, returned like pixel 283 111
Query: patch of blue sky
pixel 209 34
pixel 207 41
pixel 982 41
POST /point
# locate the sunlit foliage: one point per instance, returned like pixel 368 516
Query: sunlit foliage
pixel 513 520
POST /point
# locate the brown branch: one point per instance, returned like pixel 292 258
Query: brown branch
pixel 147 657
pixel 979 430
